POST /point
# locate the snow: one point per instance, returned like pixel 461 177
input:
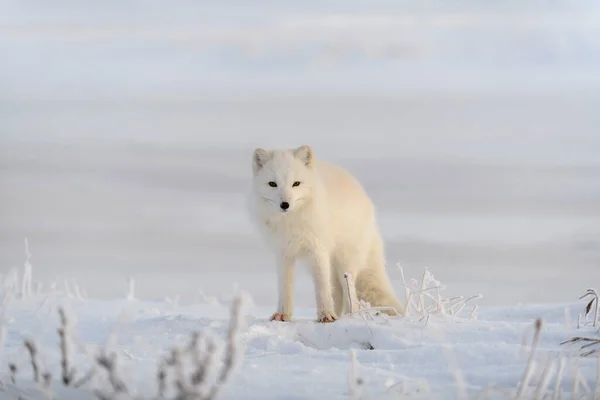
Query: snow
pixel 125 138
pixel 425 353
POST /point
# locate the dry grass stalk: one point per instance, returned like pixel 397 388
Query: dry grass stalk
pixel 545 378
pixel 406 291
pixel 27 273
pixel 47 380
pixel 202 350
pixel 597 389
pixel 32 350
pixel 530 361
pixel 67 371
pixel 559 377
pixel 161 378
pixel 588 345
pixel 427 303
pixel 12 367
pixel 231 352
pixel 131 292
pixel 176 363
pixel 109 363
pixel 351 291
pixel 202 359
pixel 432 303
pixel 86 378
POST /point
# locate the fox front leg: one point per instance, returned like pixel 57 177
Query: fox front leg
pixel 285 288
pixel 321 273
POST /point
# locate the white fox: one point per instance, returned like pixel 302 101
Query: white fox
pixel 318 212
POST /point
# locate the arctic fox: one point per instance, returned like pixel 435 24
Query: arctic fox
pixel 318 212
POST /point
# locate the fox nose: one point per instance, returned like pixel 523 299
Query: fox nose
pixel 284 205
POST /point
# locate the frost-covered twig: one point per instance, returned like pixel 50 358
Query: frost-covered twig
pixel 588 345
pixel 202 359
pixel 200 384
pixel 176 362
pixel 406 291
pixel 67 370
pixel 430 299
pixel 351 290
pixel 109 363
pixel 458 306
pixel 421 304
pixel 202 350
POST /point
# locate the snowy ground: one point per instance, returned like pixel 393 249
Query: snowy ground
pixel 463 351
pixel 125 138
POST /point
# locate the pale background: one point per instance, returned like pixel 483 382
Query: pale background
pixel 126 132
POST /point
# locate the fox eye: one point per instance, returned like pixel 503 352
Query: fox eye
pixel 272 184
pixel 296 184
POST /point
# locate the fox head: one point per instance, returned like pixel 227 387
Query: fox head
pixel 284 179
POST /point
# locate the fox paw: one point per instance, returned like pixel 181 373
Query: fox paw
pixel 326 317
pixel 280 317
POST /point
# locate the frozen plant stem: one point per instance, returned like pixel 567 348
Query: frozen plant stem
pixel 108 362
pixel 589 343
pixel 351 290
pixel 86 378
pixel 406 291
pixel 473 312
pixel 131 293
pixel 32 350
pixel 13 372
pixel 202 352
pixel 27 273
pixel 202 360
pixel 559 376
pixel 47 379
pixel 177 364
pixel 597 389
pixel 67 372
pixel 231 351
pixel 421 297
pixel 542 386
pixel 529 367
pixel 161 377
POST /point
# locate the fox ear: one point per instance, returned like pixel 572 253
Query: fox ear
pixel 306 155
pixel 259 158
